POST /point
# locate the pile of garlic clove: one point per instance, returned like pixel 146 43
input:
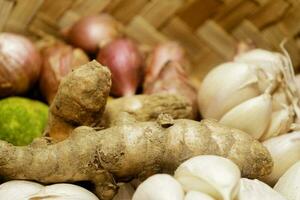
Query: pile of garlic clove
pixel 210 177
pixel 257 93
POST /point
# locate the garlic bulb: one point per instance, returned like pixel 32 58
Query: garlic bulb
pixel 255 190
pixel 159 186
pixel 285 151
pixel 256 93
pixel 289 184
pixel 20 190
pixel 194 195
pixel 213 175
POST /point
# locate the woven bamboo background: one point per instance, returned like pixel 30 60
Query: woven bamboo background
pixel 208 29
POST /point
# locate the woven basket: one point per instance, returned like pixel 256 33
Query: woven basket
pixel 208 29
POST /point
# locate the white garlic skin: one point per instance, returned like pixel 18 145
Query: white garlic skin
pixel 159 186
pixel 252 116
pixel 285 151
pixel 224 87
pixel 18 189
pixel 23 190
pixel 213 175
pixel 65 191
pixel 289 184
pixel 195 195
pixel 257 190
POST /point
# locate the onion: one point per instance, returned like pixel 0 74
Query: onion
pixel 58 60
pixel 93 32
pixel 173 79
pixel 162 54
pixel 125 63
pixel 20 64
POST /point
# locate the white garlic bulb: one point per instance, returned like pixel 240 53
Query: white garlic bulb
pixel 285 151
pixel 256 93
pixel 289 184
pixel 257 190
pixel 21 190
pixel 213 175
pixel 159 186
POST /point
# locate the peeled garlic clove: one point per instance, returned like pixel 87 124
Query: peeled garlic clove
pixel 194 195
pixel 285 151
pixel 225 87
pixel 280 123
pixel 252 116
pixel 288 185
pixel 18 190
pixel 213 175
pixel 256 190
pixel 63 191
pixel 159 186
pixel 125 192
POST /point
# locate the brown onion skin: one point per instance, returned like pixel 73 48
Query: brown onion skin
pixel 20 64
pixel 173 79
pixel 58 60
pixel 124 60
pixel 93 32
pixel 161 55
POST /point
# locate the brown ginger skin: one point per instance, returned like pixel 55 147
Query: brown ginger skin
pixel 129 150
pixel 81 99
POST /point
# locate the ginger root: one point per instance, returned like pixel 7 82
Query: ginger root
pixel 126 151
pixel 81 100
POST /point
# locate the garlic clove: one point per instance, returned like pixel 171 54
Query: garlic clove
pixel 216 98
pixel 285 151
pixel 125 192
pixel 18 190
pixel 159 186
pixel 256 190
pixel 63 191
pixel 195 195
pixel 280 123
pixel 252 116
pixel 288 185
pixel 213 175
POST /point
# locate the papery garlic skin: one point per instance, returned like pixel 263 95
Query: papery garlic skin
pixel 285 151
pixel 226 86
pixel 289 184
pixel 257 190
pixel 262 58
pixel 159 186
pixel 195 195
pixel 280 123
pixel 64 191
pixel 252 116
pixel 213 175
pixel 27 190
pixel 18 190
